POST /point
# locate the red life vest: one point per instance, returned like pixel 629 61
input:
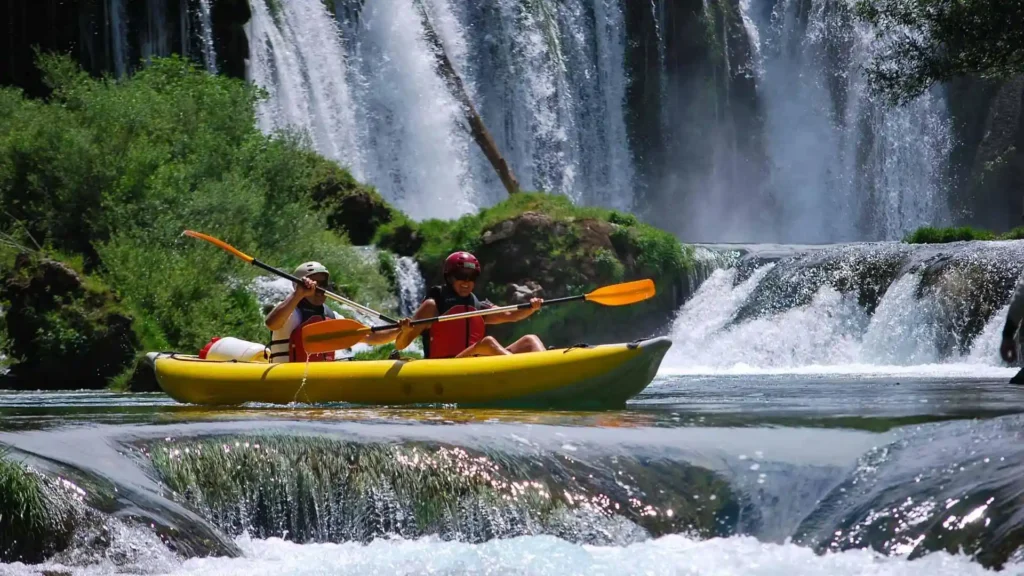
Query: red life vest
pixel 448 339
pixel 297 352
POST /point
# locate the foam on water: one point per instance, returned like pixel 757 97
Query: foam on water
pixel 832 334
pixel 543 555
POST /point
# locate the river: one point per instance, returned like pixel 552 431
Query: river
pixel 824 410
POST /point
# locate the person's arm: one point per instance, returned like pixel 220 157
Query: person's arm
pixel 1008 347
pixel 408 333
pixel 278 317
pixel 514 315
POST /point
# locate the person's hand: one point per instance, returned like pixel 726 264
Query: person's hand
pixel 1008 350
pixel 535 304
pixel 306 289
pixel 404 325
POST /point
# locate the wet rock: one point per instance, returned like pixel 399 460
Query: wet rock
pixel 519 294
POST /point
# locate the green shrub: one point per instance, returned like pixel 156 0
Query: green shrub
pixel 113 172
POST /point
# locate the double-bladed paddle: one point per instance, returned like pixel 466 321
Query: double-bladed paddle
pixel 238 253
pixel 340 334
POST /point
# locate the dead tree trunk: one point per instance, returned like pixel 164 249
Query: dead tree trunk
pixel 476 124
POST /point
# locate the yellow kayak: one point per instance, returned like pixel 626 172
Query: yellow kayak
pixel 597 377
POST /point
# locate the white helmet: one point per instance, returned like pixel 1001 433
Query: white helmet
pixel 310 268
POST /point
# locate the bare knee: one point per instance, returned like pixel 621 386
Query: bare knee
pixel 487 346
pixel 530 343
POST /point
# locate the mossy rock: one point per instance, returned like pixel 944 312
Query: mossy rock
pixel 64 330
pixel 536 244
pixel 36 518
pixel 352 208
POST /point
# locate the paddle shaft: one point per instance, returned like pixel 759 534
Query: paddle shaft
pixel 474 313
pixel 327 293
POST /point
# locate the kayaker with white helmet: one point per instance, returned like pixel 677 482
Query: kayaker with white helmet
pixel 304 306
pixel 457 338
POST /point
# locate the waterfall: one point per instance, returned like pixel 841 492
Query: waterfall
pixel 296 55
pixel 411 286
pixel 842 165
pixel 416 150
pixel 119 37
pixel 551 84
pixel 155 41
pixel 548 79
pixel 857 307
pixel 206 23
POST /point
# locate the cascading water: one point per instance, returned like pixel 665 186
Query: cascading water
pixel 414 147
pixel 296 55
pixel 550 84
pixel 856 307
pixel 411 286
pixel 209 51
pixel 118 37
pixel 155 38
pixel 842 166
pixel 547 78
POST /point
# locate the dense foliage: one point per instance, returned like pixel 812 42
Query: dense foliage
pixel 114 171
pixel 924 42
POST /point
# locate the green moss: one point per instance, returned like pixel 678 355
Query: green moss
pixel 35 521
pixel 932 235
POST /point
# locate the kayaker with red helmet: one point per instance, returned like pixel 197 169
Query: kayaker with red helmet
pixel 463 338
pixel 304 306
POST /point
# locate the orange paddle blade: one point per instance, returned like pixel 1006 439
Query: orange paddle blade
pixel 623 294
pixel 220 244
pixel 331 335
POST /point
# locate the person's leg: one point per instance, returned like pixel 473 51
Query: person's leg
pixel 529 343
pixel 486 347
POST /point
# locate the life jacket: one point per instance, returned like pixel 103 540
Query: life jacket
pixel 448 339
pixel 286 342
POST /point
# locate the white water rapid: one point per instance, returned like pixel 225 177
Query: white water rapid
pixel 830 334
pixel 550 556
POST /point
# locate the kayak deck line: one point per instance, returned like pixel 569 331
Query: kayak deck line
pixel 595 377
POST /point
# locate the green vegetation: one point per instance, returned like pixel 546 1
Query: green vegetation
pixel 35 521
pixel 931 235
pixel 110 173
pixel 924 42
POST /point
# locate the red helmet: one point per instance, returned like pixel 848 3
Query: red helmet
pixel 461 261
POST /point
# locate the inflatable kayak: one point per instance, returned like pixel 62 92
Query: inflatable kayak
pixel 596 377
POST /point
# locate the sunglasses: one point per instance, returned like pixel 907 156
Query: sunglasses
pixel 465 275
